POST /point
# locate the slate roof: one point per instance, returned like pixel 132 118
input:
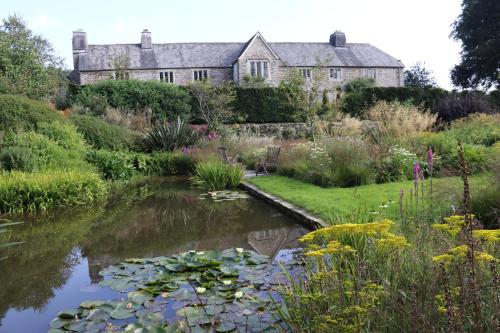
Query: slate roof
pixel 210 55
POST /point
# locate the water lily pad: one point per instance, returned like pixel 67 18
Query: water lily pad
pixel 58 322
pixel 69 313
pixel 91 304
pixel 76 326
pixel 225 327
pixel 139 296
pixel 122 314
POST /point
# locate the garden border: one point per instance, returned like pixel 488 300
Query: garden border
pixel 287 208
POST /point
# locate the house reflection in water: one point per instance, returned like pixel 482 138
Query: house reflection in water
pixel 270 241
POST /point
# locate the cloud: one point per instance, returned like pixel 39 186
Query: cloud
pixel 44 21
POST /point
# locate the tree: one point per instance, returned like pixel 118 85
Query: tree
pixel 419 77
pixel 215 104
pixel 478 28
pixel 27 61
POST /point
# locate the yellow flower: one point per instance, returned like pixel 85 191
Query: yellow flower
pixel 443 259
pixel 490 236
pixel 484 257
pixel 392 242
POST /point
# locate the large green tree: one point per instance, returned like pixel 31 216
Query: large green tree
pixel 28 64
pixel 478 28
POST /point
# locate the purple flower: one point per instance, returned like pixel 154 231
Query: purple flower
pixel 416 171
pixel 429 159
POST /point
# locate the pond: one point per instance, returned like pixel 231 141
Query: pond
pixel 56 265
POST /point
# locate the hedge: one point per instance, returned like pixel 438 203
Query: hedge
pixel 166 101
pixel 449 105
pixel 267 105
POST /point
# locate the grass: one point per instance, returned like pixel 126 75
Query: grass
pixel 333 203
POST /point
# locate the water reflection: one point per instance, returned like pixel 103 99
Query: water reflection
pixel 66 250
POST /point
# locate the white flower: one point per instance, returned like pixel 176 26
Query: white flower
pixel 238 294
pixel 383 206
pixel 200 253
pixel 227 282
pixel 200 290
pixel 239 249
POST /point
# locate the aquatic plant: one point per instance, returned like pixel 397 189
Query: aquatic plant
pixel 215 175
pixel 222 291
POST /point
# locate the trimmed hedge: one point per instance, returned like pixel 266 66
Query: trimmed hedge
pixel 103 135
pixel 166 101
pixel 267 105
pixel 22 113
pixel 447 105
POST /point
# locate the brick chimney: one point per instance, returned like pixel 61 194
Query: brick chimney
pixel 146 39
pixel 337 39
pixel 80 47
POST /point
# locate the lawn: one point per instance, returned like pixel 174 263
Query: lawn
pixel 334 204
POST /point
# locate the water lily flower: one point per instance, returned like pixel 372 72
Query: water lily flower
pixel 200 290
pixel 129 305
pixel 227 282
pixel 238 294
pixel 239 249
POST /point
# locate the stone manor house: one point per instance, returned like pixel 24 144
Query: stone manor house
pixel 182 63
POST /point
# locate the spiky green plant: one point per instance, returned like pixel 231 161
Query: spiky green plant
pixel 170 136
pixel 214 175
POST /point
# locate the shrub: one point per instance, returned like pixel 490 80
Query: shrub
pixel 113 165
pixel 397 120
pixel 266 105
pixel 66 135
pixel 168 164
pixel 476 129
pixel 166 101
pixel 170 137
pixel 214 175
pixel 22 113
pixel 30 151
pixel 101 135
pixel 30 192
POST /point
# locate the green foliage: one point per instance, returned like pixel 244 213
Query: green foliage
pixel 102 135
pixel 214 175
pixel 65 135
pixel 355 100
pixel 479 56
pixel 165 101
pixel 30 192
pixel 168 164
pixel 419 77
pixel 21 113
pixel 170 136
pixel 213 104
pixel 30 151
pixel 113 165
pixel 27 61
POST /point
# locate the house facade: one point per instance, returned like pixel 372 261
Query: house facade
pixel 333 63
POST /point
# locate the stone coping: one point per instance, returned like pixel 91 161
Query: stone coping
pixel 287 208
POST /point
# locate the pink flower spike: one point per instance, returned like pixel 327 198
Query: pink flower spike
pixel 430 159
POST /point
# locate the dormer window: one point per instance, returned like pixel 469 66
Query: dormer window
pixel 259 68
pixel 200 74
pixel 306 73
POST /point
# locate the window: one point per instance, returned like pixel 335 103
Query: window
pixel 121 75
pixel 167 77
pixel 371 73
pixel 306 73
pixel 200 74
pixel 336 73
pixel 259 68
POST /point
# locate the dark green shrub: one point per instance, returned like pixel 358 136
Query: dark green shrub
pixel 17 158
pixel 166 101
pixel 102 135
pixel 170 136
pixel 113 165
pixel 169 164
pixel 39 191
pixel 267 105
pixel 22 113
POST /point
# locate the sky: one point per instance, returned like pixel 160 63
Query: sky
pixel 412 31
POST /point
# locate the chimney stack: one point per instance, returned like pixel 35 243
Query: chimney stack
pixel 338 39
pixel 146 39
pixel 80 47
